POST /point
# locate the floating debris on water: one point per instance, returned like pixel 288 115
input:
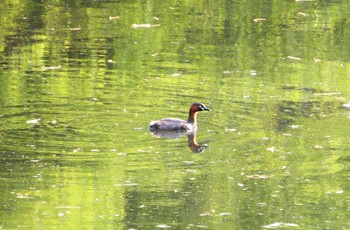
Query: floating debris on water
pixel 279 224
pixel 225 214
pixel 136 26
pixel 126 185
pixel 294 58
pixel 259 19
pixel 346 106
pixel 77 150
pixel 230 129
pixel 327 94
pixel 23 196
pixel 34 121
pixel 256 176
pixel 114 17
pixel 294 126
pixel 51 67
pixel 68 207
pixel 176 75
pixel 75 29
pixel 253 73
pixel 207 213
pixel 163 226
pixel 272 149
pixel 302 14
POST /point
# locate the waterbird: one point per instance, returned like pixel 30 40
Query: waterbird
pixel 175 124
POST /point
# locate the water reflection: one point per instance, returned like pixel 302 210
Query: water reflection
pixel 192 140
pixel 71 90
pixel 194 145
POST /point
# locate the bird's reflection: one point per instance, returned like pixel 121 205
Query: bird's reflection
pixel 193 144
pixel 192 141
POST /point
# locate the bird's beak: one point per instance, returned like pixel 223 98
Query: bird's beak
pixel 206 109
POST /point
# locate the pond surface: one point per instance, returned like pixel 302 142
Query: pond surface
pixel 81 80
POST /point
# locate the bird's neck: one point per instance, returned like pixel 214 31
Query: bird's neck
pixel 192 117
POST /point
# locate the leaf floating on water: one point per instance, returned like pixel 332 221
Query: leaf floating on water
pixel 327 94
pixel 279 224
pixel 346 106
pixel 294 126
pixel 51 67
pixel 207 213
pixel 302 14
pixel 143 151
pixel 176 75
pixel 52 122
pixel 225 214
pixel 201 226
pixel 204 214
pixel 253 73
pixel 126 185
pixel 256 176
pixel 136 26
pixel 272 149
pixel 294 58
pixel 259 19
pixel 34 161
pixel 230 129
pixel 113 17
pixel 75 29
pixel 34 121
pixel 23 196
pixel 68 207
pixel 163 226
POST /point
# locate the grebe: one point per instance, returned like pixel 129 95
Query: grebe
pixel 175 124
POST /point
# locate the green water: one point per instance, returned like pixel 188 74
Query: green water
pixel 81 80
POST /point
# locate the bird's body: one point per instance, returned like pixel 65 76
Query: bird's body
pixel 171 124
